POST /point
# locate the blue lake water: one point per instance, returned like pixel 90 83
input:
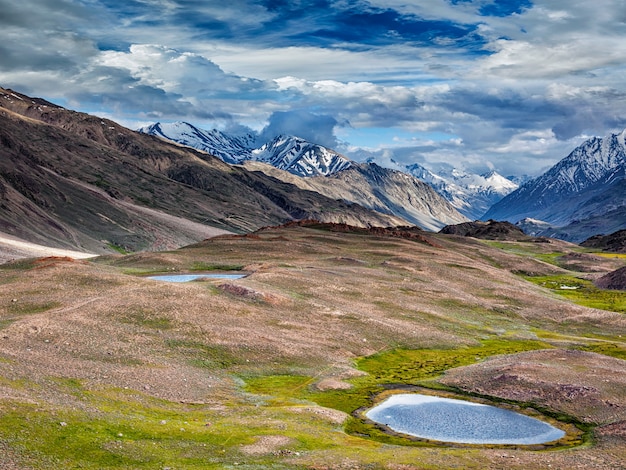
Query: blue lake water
pixel 459 421
pixel 193 277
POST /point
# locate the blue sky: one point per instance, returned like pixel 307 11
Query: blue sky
pixel 478 84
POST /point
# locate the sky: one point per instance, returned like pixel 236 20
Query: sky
pixel 505 85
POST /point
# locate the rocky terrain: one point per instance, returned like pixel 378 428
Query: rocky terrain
pixel 490 230
pixel 103 368
pixel 612 243
pixel 615 280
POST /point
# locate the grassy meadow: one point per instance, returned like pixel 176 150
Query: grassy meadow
pixel 101 368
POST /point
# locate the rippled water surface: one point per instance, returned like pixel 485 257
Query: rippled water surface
pixel 449 420
pixel 193 277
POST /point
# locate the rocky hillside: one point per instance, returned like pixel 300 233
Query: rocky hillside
pixel 380 189
pixel 490 230
pixel 613 243
pixel 71 180
pixel 615 280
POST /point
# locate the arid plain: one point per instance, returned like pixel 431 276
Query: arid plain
pixel 103 368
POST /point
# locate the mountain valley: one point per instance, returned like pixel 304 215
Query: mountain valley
pixel 103 368
pixel 354 283
pixel 76 181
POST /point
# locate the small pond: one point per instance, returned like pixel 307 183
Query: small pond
pixel 193 277
pixel 459 421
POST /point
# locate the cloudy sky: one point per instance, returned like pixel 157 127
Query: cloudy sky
pixel 510 85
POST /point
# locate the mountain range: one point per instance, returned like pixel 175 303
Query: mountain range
pixel 316 168
pixel 470 194
pixel 75 181
pixel 584 194
pixel 289 153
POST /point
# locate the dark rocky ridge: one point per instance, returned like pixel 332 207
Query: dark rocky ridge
pixel 613 243
pixel 490 230
pixel 615 280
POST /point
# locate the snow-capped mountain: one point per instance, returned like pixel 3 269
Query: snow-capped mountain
pixel 300 157
pixel 288 153
pixel 587 183
pixel 229 148
pixel 471 194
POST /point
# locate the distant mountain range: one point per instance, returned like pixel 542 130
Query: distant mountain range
pixel 582 195
pixel 289 153
pixel 472 195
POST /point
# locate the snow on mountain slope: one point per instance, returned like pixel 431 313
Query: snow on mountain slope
pixel 288 153
pixel 230 149
pixel 300 157
pixel 471 194
pixel 571 189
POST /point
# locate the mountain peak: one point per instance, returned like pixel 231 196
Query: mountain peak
pixel 585 184
pixel 290 153
pixel 469 193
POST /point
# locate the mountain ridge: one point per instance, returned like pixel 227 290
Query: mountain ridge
pixel 576 194
pixel 72 180
pixel 289 153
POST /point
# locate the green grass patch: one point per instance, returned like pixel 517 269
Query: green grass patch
pixel 118 248
pixel 414 366
pixel 394 367
pixel 126 431
pixel 607 345
pixel 610 255
pixel 582 292
pixel 608 349
pixel 25 307
pixel 146 318
pixel 209 356
pixel 204 266
pixel 531 250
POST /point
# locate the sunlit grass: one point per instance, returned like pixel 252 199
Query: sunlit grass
pixel 582 292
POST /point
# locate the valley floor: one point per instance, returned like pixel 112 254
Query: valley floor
pixel 103 368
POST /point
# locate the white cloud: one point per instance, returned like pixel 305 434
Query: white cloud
pixel 547 77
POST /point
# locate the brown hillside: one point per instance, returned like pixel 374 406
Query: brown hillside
pixel 613 243
pixel 490 230
pixel 615 280
pixel 72 180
